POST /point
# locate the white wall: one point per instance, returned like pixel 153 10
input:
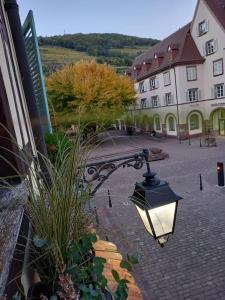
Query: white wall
pixel 183 84
pixel 205 80
pixel 216 32
pixel 160 91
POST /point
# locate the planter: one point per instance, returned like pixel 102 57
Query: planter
pixel 36 290
pixel 107 295
pixel 130 130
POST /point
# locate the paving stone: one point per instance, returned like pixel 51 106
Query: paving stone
pixel 191 266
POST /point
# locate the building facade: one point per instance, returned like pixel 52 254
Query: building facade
pixel 180 81
pixel 21 144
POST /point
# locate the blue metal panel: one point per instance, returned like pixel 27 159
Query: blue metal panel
pixel 34 59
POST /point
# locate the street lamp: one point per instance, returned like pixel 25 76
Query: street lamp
pixel 155 201
pixel 156 204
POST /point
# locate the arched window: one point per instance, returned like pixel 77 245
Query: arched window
pixel 194 122
pixel 171 123
pixel 157 123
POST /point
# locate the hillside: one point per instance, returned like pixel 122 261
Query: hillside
pixel 115 49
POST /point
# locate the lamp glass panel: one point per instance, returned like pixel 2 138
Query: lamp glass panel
pixel 163 218
pixel 144 218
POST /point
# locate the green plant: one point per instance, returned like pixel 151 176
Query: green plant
pixel 56 143
pixel 58 213
pixel 83 273
pixel 59 219
pixel 143 122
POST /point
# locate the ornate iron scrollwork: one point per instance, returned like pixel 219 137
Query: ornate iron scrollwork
pixel 98 172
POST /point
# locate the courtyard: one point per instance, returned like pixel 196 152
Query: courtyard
pixel 192 263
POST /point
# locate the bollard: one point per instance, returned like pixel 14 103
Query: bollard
pixel 189 140
pixel 110 201
pixel 96 216
pixel 200 181
pixel 200 143
pixel 220 174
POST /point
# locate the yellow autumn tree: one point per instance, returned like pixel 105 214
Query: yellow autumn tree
pixel 87 86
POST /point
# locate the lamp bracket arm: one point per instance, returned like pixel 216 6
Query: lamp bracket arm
pixel 98 172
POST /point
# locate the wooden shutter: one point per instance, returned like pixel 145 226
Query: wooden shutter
pixel 172 98
pixel 215 45
pixel 34 60
pixel 207 25
pixel 204 50
pixel 213 93
pixel 187 96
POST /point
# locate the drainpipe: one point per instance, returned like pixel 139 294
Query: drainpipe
pixel 178 117
pixel 12 11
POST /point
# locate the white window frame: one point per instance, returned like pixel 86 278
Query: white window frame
pixel 155 101
pixel 153 83
pixel 218 67
pixel 203 27
pixel 166 78
pixel 192 95
pixel 210 47
pixel 191 73
pixel 219 90
pixel 168 99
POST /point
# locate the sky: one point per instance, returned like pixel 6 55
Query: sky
pixel 143 18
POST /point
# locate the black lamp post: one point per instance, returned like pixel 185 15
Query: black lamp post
pixel 156 204
pixel 155 201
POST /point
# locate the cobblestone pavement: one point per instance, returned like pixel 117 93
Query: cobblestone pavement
pixel 192 263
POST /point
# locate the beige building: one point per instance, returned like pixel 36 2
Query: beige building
pixel 180 81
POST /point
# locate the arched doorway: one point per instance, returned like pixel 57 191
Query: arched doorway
pixel 218 121
pixel 171 125
pixel 157 123
pixel 194 123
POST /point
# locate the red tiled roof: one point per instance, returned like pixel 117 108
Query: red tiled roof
pixel 183 51
pixel 218 8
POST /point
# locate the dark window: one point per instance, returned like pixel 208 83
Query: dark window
pixel 143 103
pixel 194 122
pixel 168 99
pixel 157 123
pixel 192 95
